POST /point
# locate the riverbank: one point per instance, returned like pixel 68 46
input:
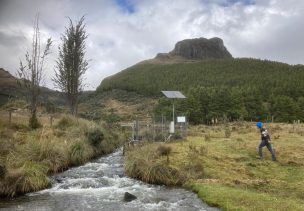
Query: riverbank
pixel 220 164
pixel 28 157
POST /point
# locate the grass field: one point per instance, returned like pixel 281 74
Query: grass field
pixel 28 156
pixel 220 164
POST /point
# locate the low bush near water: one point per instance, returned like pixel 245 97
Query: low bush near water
pixel 141 166
pixel 32 176
pixel 95 136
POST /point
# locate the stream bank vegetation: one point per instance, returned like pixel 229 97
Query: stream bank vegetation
pixel 28 156
pixel 222 167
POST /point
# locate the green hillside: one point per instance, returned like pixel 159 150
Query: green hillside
pixel 249 89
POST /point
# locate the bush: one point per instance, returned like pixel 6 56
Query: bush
pixel 176 136
pixel 159 137
pixel 20 127
pixel 34 123
pixel 32 176
pixel 65 122
pixel 76 153
pixel 2 171
pixel 227 132
pixel 163 150
pixel 207 137
pixel 159 173
pixel 79 153
pixel 203 150
pixel 95 137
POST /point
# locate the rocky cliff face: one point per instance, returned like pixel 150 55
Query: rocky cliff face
pixel 199 48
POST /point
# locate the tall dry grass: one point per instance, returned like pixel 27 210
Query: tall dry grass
pixel 141 163
pixel 29 156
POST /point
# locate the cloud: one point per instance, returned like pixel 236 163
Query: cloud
pixel 124 32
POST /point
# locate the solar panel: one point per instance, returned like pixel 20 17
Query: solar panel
pixel 173 94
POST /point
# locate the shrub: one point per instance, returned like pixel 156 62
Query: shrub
pixel 20 127
pixel 195 169
pixel 159 173
pixel 203 150
pixel 2 171
pixel 112 118
pixel 65 122
pixel 15 104
pixel 95 137
pixel 176 136
pixel 163 150
pixel 207 137
pixel 34 178
pixel 227 132
pixel 76 153
pixel 79 153
pixel 6 146
pixel 53 156
pixel 159 137
pixel 34 123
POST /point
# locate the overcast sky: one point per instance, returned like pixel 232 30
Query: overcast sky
pixel 124 32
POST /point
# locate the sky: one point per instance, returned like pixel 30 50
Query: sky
pixel 122 33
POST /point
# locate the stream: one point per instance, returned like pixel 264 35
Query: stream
pixel 101 185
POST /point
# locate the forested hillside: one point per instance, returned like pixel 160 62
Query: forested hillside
pixel 248 89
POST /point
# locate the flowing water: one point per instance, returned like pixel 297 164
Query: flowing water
pixel 100 185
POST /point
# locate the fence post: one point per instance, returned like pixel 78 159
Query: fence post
pixel 137 128
pixel 10 117
pixel 51 120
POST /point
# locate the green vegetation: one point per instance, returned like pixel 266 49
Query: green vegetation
pixel 145 166
pixel 230 89
pixel 28 156
pixel 71 63
pixel 224 170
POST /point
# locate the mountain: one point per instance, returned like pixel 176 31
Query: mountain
pixel 191 50
pixel 216 84
pixel 201 48
pixel 10 89
pixel 266 76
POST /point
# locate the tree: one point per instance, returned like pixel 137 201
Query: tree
pixel 31 73
pixel 71 64
pixel 285 109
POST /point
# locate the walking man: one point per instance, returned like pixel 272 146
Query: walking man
pixel 265 141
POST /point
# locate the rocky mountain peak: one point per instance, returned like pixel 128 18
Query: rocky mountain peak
pixel 198 48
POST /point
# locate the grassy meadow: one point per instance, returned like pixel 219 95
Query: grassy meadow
pixel 28 156
pixel 220 164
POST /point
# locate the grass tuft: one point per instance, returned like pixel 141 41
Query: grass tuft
pixel 95 136
pixel 163 150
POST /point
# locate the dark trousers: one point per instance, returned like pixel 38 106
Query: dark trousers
pixel 268 145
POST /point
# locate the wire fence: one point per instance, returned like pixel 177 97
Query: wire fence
pixel 157 128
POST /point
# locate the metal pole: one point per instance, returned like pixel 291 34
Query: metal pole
pixel 173 118
pixel 173 111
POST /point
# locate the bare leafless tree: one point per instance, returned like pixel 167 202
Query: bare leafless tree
pixel 31 72
pixel 71 64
